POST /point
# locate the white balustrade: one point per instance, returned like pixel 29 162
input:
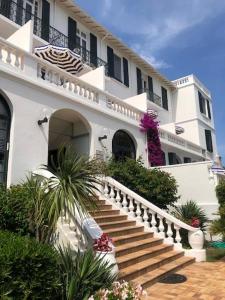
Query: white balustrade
pixel 152 217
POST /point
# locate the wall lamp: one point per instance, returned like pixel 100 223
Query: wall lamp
pixel 104 137
pixel 40 122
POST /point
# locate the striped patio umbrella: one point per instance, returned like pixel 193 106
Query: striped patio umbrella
pixel 64 58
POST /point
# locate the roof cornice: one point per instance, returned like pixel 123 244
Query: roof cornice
pixel 81 16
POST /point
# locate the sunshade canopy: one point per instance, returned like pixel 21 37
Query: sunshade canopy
pixel 64 58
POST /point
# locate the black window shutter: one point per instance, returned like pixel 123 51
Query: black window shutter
pixel 45 23
pixel 164 98
pixel 150 84
pixel 19 12
pixel 93 50
pixel 72 33
pixel 209 110
pixel 172 158
pixel 110 56
pixel 5 7
pixel 201 102
pixel 125 72
pixel 139 82
pixel 208 139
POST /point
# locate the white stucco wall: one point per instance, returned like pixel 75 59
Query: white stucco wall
pixel 29 142
pixel 197 183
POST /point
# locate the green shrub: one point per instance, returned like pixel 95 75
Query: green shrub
pixel 28 269
pixel 186 212
pixel 218 226
pixel 15 208
pixel 83 273
pixel 156 186
pixel 220 192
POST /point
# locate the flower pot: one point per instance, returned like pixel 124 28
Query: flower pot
pixel 196 239
pixel 110 258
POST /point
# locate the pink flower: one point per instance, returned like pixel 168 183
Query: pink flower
pixel 195 222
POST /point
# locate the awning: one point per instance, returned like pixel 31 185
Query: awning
pixel 64 58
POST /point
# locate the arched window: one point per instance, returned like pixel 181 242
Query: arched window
pixel 5 121
pixel 123 146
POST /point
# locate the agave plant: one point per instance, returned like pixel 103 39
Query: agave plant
pixel 189 211
pixel 83 273
pixel 73 185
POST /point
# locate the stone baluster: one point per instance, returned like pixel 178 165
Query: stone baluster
pixel 153 221
pixel 106 190
pixel 75 90
pixel 8 58
pixel 145 216
pixel 85 92
pixel 17 62
pixel 138 211
pixel 70 87
pixel 112 194
pixel 131 208
pixel 0 52
pixel 118 198
pixel 177 237
pixel 169 232
pixel 89 95
pixel 124 202
pixel 161 227
pixel 81 91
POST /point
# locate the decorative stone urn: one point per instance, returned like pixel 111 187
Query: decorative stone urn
pixel 196 239
pixel 110 258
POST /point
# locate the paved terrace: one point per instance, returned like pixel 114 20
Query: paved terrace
pixel 205 281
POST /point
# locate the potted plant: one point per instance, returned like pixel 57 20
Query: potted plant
pixel 103 246
pixel 196 238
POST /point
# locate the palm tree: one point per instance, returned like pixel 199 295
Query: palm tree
pixel 73 185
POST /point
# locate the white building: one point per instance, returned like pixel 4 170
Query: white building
pixel 99 108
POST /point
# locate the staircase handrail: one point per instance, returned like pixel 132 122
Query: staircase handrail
pixel 150 215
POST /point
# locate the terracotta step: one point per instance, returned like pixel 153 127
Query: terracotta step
pixel 152 277
pixel 122 240
pixel 124 231
pixel 136 257
pixel 104 207
pixel 112 218
pixel 139 269
pixel 137 246
pixel 117 224
pixel 102 213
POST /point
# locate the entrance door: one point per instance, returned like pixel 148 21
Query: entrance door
pixel 5 121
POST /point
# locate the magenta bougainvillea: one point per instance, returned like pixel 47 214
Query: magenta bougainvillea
pixel 150 126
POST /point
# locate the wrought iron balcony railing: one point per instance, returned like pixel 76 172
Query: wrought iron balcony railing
pixel 152 96
pixel 20 16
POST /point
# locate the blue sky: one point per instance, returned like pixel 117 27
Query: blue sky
pixel 177 37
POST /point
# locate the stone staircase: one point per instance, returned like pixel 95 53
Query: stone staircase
pixel 141 257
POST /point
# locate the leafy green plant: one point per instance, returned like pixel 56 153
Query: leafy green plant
pixel 190 210
pixel 156 186
pixel 187 213
pixel 83 273
pixel 15 210
pixel 28 269
pixel 73 185
pixel 218 226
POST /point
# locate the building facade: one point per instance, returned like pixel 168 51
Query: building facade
pixel 98 110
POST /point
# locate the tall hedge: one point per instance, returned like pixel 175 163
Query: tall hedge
pixel 28 269
pixel 156 186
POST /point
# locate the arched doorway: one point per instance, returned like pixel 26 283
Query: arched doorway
pixel 123 146
pixel 68 127
pixel 5 122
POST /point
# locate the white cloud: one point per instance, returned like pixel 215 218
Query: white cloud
pixel 107 5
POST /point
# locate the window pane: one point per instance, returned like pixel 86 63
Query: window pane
pixel 117 67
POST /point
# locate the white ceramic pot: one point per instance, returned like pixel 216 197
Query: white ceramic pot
pixel 196 239
pixel 110 258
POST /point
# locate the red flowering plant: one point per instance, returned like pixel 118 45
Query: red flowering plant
pixel 195 222
pixel 150 126
pixel 103 244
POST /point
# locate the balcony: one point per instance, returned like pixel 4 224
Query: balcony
pixel 152 96
pixel 20 16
